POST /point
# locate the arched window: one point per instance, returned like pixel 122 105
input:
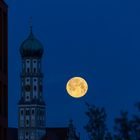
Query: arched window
pixel 28 70
pixel 27 122
pixel 27 88
pixel 27 112
pixel 34 88
pixel 27 97
pixel 34 70
pixel 33 112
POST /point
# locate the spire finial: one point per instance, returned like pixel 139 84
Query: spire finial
pixel 31 24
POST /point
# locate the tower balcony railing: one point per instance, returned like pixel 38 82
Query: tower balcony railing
pixel 28 74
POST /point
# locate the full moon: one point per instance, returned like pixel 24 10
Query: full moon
pixel 77 87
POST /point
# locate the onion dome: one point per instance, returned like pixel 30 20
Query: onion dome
pixel 31 47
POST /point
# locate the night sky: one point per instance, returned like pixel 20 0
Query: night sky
pixel 98 40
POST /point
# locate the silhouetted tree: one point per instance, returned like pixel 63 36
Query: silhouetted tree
pixel 122 127
pixel 96 126
pixel 135 124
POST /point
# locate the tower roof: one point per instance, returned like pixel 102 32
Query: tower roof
pixel 31 47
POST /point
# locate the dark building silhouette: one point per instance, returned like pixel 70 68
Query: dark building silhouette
pixel 52 134
pixel 57 133
pixel 3 71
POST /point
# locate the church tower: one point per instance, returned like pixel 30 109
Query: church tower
pixel 31 106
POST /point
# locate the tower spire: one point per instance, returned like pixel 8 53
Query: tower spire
pixel 31 25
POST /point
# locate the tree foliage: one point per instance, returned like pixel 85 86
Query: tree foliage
pixel 96 126
pixel 135 124
pixel 125 127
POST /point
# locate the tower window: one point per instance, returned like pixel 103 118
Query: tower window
pixel 27 61
pixel 21 112
pixel 28 70
pixel 34 88
pixel 27 87
pixel 33 111
pixel 27 122
pixel 35 80
pixel 40 112
pixel 27 133
pixel 34 61
pixel 27 112
pixel 27 97
pixel 34 69
pixel 27 80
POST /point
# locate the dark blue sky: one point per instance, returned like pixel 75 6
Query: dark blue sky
pixel 98 40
